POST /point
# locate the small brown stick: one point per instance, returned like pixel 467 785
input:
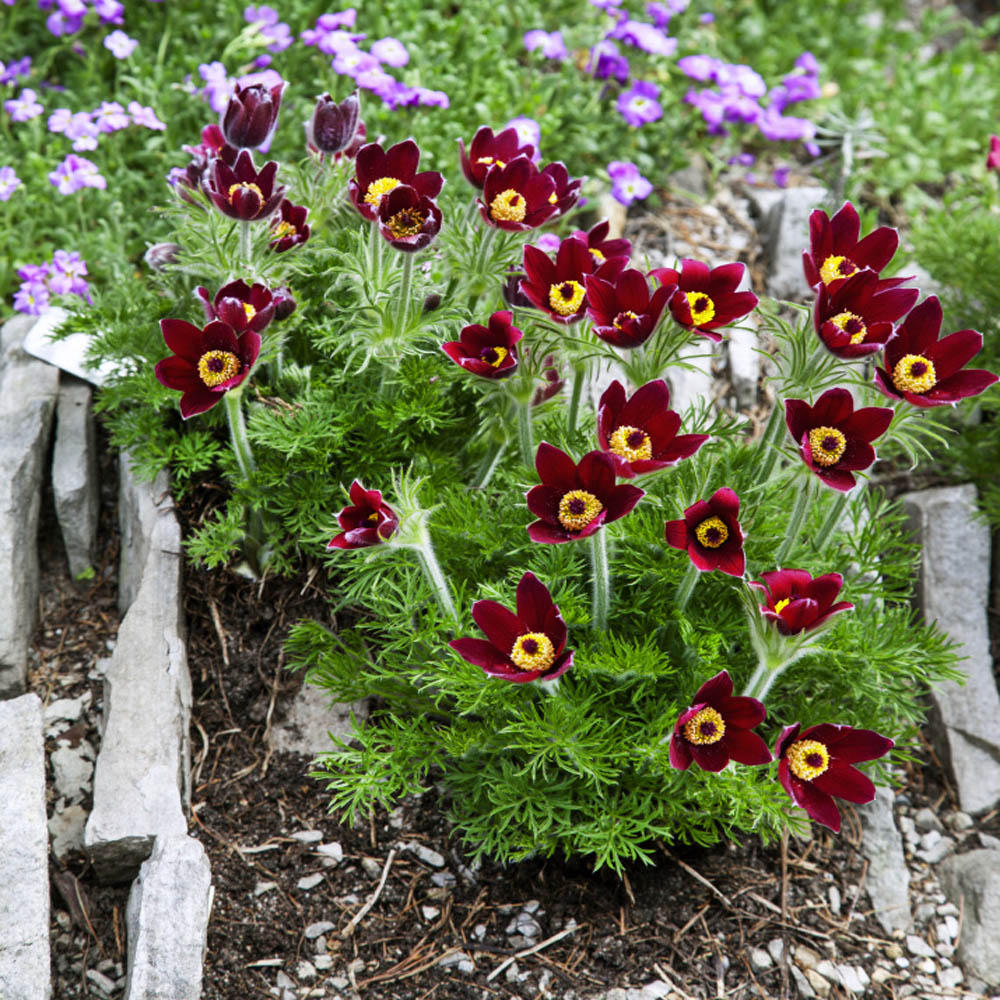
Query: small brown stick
pixel 698 877
pixel 530 951
pixel 362 913
pixel 225 658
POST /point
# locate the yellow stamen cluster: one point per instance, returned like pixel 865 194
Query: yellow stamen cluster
pixel 914 373
pixel 249 310
pixel 701 306
pixel 705 728
pixel 566 297
pixel 216 367
pixel 851 323
pixel 378 188
pixel 509 206
pixel 488 160
pixel 834 268
pixel 533 651
pixel 406 222
pixel 622 317
pixel 577 509
pixel 808 759
pixel 244 186
pixel 632 444
pixel 597 255
pixel 827 444
pixel 712 532
pixel 781 605
pixel 283 229
pixel 494 356
pixel 553 198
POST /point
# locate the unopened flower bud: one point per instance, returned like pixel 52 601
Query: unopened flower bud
pixel 284 303
pixel 251 115
pixel 333 126
pixel 161 256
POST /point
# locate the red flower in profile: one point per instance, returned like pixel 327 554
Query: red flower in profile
pixel 623 311
pixel 527 646
pixel 796 602
pixel 366 520
pixel 926 371
pixel 407 219
pixel 816 766
pixel 835 252
pixel 251 115
pixel 378 171
pixel 206 363
pixel 516 196
pixel 290 227
pixel 706 298
pixel 487 351
pixel 600 247
pixel 240 192
pixel 640 433
pixel 855 317
pixel 573 501
pixel 834 439
pixel 488 150
pixel 553 382
pixel 242 306
pixel 716 729
pixel 710 531
pixel 566 192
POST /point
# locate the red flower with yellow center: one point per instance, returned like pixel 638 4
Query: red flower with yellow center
pixel 407 219
pixel 366 521
pixel 517 196
pixel 710 531
pixel 240 191
pixel 705 299
pixel 488 150
pixel 600 247
pixel 290 227
pixel 835 252
pixel 379 171
pixel 623 311
pixel 528 645
pixel 566 190
pixel 242 306
pixel 798 603
pixel 487 350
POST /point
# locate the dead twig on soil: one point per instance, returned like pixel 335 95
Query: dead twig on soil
pixel 363 912
pixel 217 622
pixel 530 951
pixel 697 876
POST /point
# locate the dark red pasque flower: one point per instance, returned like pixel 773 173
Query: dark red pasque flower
pixel 333 125
pixel 205 363
pixel 815 766
pixel 600 247
pixel 242 306
pixel 553 381
pixel 835 252
pixel 926 371
pixel 796 602
pixel 290 226
pixel 567 189
pixel 407 219
pixel 251 115
pixel 710 531
pixel 240 192
pixel 623 311
pixel 488 150
pixel 284 302
pixel 856 316
pixel 195 174
pixel 527 646
pixel 573 501
pixel 640 433
pixel 487 350
pixel 706 298
pixel 834 439
pixel 517 196
pixel 378 171
pixel 716 729
pixel 366 520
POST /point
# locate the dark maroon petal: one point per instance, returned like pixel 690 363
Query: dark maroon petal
pixel 543 501
pixel 834 609
pixel 401 160
pixel 714 691
pixel 602 304
pixel 543 531
pixel 499 624
pixel 747 748
pixel 184 339
pixel 868 423
pixel 876 249
pixel 810 271
pixel 534 602
pixel 666 276
pixel 176 373
pixel 726 278
pixel 799 614
pixel 962 384
pixel 844 228
pixel 697 513
pixel 623 499
pixel 695 276
pixel 786 738
pixel 710 756
pixel 816 803
pixel 845 782
pixel 480 653
pixel 632 291
pixel 556 468
pixel 725 501
pixel 832 408
pixel 677 534
pixel 732 308
pixel 457 352
pixel 951 353
pixel 918 333
pixel 539 267
pixel 597 475
pixel 742 712
pixel 646 402
pixel 853 745
pixel 890 304
pixel 610 406
pixel 360 497
pixel 731 560
pixel 824 589
pixel 680 752
pixel 218 336
pixel 798 418
pixel 838 479
pixel 559 666
pixel 784 583
pixel 704 559
pixel 857 455
pixel 197 400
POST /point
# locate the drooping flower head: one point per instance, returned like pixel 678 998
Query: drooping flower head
pixel 241 306
pixel 639 433
pixel 334 125
pixel 706 299
pixel 926 371
pixel 487 350
pixel 251 115
pixel 378 171
pixel 205 364
pixel 488 150
pixel 796 602
pixel 815 766
pixel 240 191
pixel 529 645
pixel 834 439
pixel 835 252
pixel 716 729
pixel 365 521
pixel 290 226
pixel 623 311
pixel 517 196
pixel 710 531
pixel 573 501
pixel 407 219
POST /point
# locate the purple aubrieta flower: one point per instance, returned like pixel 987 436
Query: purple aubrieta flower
pixel 60 119
pixel 24 107
pixel 780 176
pixel 606 61
pixel 627 184
pixel 75 173
pixel 67 277
pixel 807 64
pixel 218 86
pixel 337 41
pixel 707 18
pixel 638 105
pixel 31 298
pixel 9 183
pixel 548 242
pixel 82 130
pixel 644 36
pixel 14 71
pixel 273 31
pixel 145 117
pixel 784 128
pixel 606 5
pixel 529 133
pixel 352 62
pixel 59 24
pixel 109 11
pixel 700 67
pixel 119 44
pixel 746 78
pixel 327 24
pixel 110 116
pixel 390 51
pixel 550 42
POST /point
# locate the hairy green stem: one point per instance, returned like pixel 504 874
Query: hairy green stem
pixel 579 378
pixel 489 463
pixel 769 442
pixel 405 288
pixel 245 251
pixel 525 438
pixel 435 576
pixel 799 512
pixel 238 433
pixel 686 587
pixel 831 522
pixel 601 579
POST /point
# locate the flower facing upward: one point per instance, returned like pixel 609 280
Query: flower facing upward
pixel 706 299
pixel 240 191
pixel 487 350
pixel 241 306
pixel 527 646
pixel 573 501
pixel 251 115
pixel 640 433
pixel 856 316
pixel 407 219
pixel 623 311
pixel 716 729
pixel 206 363
pixel 835 252
pixel 365 521
pixel 710 531
pixel 517 196
pixel 834 439
pixel 290 226
pixel 333 125
pixel 378 171
pixel 815 766
pixel 488 150
pixel 926 371
pixel 798 603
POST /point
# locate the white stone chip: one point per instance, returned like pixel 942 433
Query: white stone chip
pixel 310 881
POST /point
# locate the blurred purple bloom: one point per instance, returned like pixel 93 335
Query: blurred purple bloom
pixel 31 298
pixel 529 133
pixel 784 128
pixel 110 117
pixel 743 159
pixel 781 176
pixel 146 117
pixel 707 18
pixel 120 45
pixel 37 273
pixel 746 78
pixel 627 184
pixel 638 105
pixel 660 13
pixel 737 107
pixel 353 62
pixel 11 73
pixel 644 36
pixel 338 41
pixel 9 183
pixel 812 148
pixel 432 98
pixel 60 119
pixel 109 11
pixel 712 106
pixel 605 5
pixel 59 24
pixel 808 64
pixel 606 61
pixel 701 67
pixel 218 86
pixel 75 173
pixel 82 130
pixel 390 51
pixel 24 107
pixel 548 242
pixel 276 33
pixel 550 42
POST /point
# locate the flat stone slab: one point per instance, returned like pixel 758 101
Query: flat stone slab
pixel 972 882
pixel 310 720
pixel 888 879
pixel 24 853
pixel 784 229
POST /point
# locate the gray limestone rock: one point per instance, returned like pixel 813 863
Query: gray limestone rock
pixel 953 591
pixel 691 386
pixel 66 828
pixel 74 473
pixel 784 224
pixel 27 399
pixel 24 853
pixel 167 919
pixel 888 879
pixel 975 878
pixel 310 720
pixel 744 365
